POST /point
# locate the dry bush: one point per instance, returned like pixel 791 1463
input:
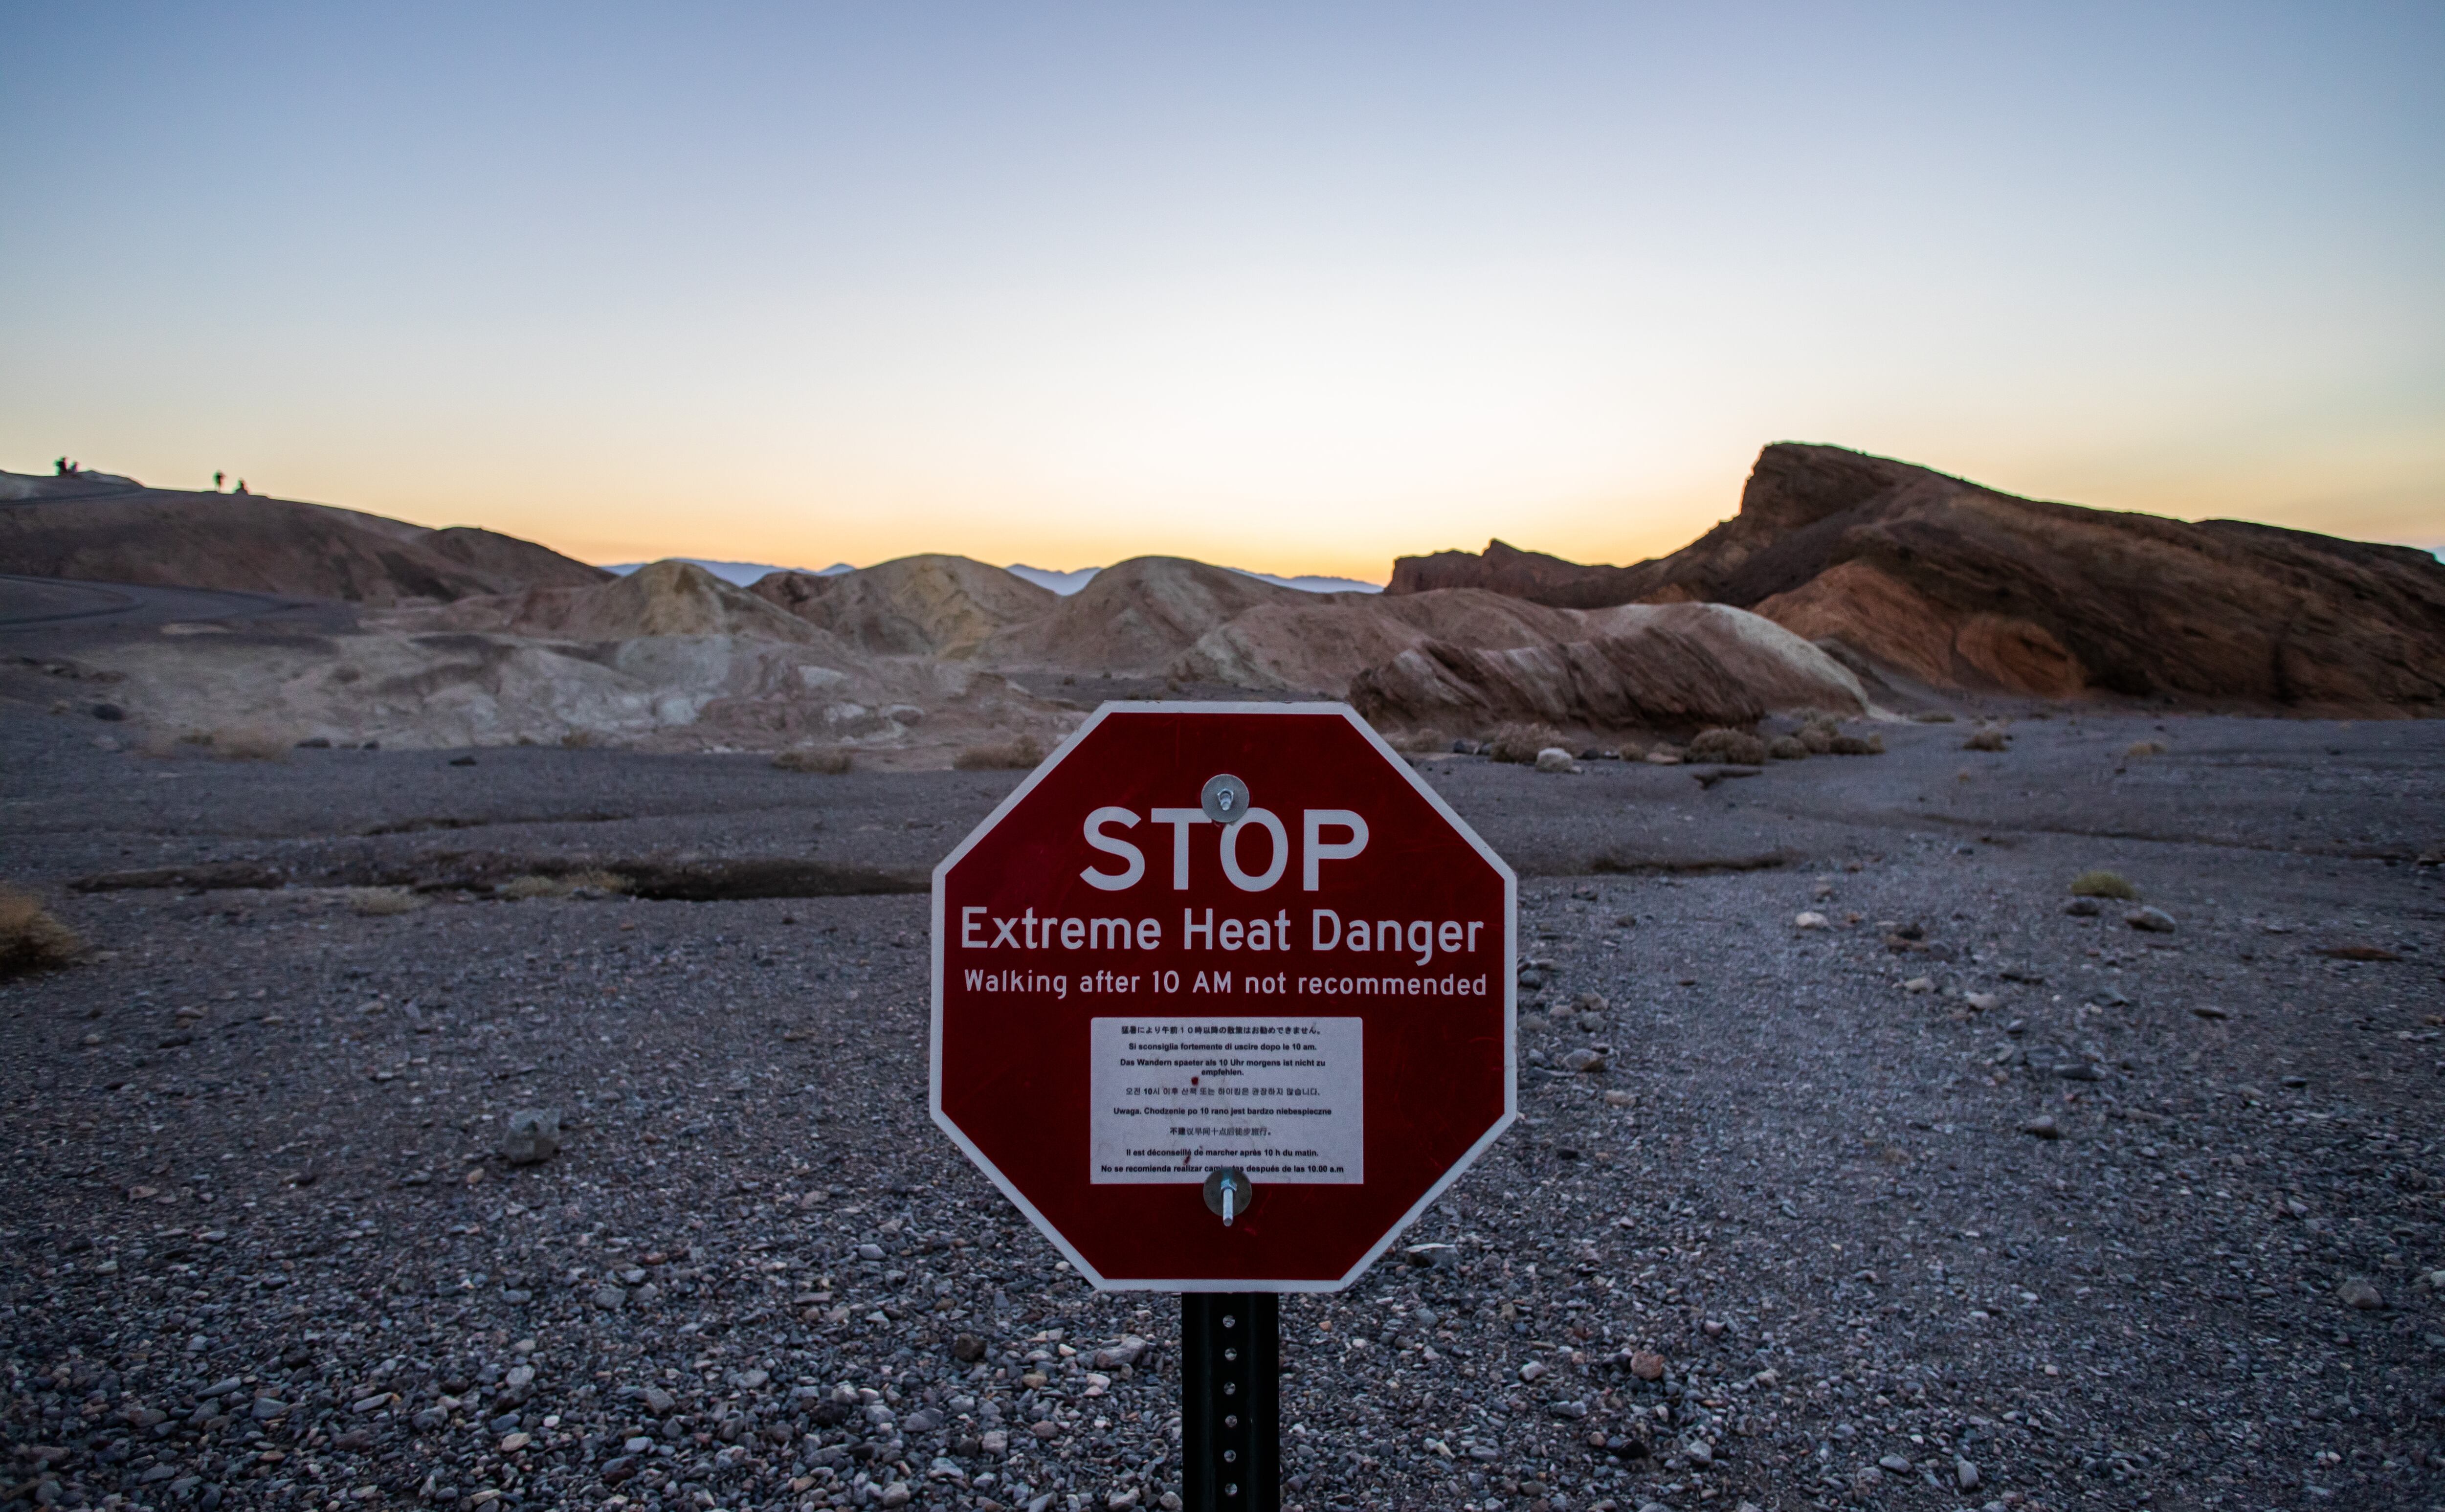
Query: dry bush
pixel 31 938
pixel 2146 748
pixel 1000 755
pixel 535 885
pixel 577 739
pixel 1419 742
pixel 1730 747
pixel 1817 737
pixel 2103 885
pixel 1520 742
pixel 1792 748
pixel 1858 745
pixel 1990 738
pixel 832 763
pixel 251 742
pixel 376 902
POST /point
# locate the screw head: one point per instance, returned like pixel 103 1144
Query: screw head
pixel 1225 798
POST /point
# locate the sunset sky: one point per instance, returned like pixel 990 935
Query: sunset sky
pixel 1294 288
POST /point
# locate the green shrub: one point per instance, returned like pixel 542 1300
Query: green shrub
pixel 2103 885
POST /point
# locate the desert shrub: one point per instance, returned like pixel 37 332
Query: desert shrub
pixel 31 938
pixel 1990 738
pixel 1858 745
pixel 1791 748
pixel 2146 748
pixel 1520 742
pixel 1734 747
pixel 2103 885
pixel 248 742
pixel 577 739
pixel 807 758
pixel 375 903
pixel 530 885
pixel 1419 742
pixel 597 880
pixel 1817 737
pixel 1000 755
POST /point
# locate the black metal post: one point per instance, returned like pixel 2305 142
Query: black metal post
pixel 1230 1402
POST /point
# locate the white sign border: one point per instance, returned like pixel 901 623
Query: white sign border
pixel 1510 1002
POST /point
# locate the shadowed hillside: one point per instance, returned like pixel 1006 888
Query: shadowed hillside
pixel 1954 585
pixel 104 529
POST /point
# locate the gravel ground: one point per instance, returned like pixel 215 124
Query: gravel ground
pixel 1791 1246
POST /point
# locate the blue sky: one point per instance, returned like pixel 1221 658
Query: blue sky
pixel 1294 288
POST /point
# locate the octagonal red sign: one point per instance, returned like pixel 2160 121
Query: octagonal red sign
pixel 1204 939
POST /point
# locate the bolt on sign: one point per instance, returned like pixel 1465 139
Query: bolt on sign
pixel 1223 997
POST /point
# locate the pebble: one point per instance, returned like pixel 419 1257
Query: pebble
pixel 1896 1464
pixel 2043 1126
pixel 2207 1010
pixel 2358 1291
pixel 1646 1364
pixel 1587 1060
pixel 1534 1370
pixel 1700 1452
pixel 609 1298
pixel 1919 984
pixel 1965 1474
pixel 2082 909
pixel 2152 921
pixel 1811 921
pixel 533 1136
pixel 1983 1001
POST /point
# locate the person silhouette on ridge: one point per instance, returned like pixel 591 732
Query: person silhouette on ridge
pixel 217 481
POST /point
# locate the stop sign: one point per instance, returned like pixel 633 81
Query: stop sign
pixel 1220 945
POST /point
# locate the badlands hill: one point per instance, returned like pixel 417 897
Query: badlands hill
pixel 102 529
pixel 1934 580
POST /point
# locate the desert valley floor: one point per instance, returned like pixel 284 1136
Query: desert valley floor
pixel 1960 1201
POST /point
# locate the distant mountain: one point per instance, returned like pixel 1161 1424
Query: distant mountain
pixel 739 574
pixel 1313 584
pixel 1066 583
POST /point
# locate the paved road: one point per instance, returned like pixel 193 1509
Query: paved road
pixel 50 603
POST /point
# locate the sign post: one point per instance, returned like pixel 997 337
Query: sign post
pixel 1222 1001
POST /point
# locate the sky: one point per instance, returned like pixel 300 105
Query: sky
pixel 1296 287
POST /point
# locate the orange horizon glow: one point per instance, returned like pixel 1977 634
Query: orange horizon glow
pixel 1288 290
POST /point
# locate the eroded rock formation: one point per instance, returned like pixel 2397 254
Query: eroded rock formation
pixel 1958 586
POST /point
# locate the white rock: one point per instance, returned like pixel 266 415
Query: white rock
pixel 1554 758
pixel 1810 921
